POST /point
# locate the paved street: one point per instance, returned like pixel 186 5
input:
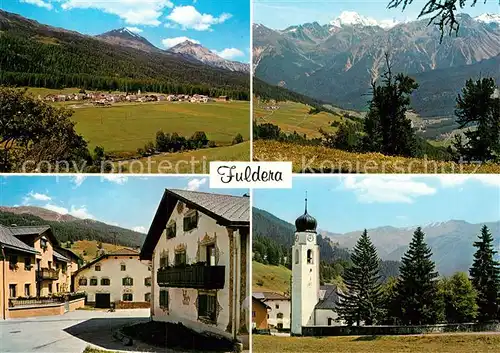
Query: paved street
pixel 69 333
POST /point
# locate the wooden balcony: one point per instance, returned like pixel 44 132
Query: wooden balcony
pixel 194 276
pixel 47 274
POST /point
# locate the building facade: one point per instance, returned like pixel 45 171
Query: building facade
pixel 259 314
pixel 32 265
pixel 279 309
pixel 199 246
pixel 115 277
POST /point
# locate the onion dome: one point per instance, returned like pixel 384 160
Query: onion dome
pixel 306 222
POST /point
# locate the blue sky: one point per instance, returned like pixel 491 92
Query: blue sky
pixel 128 202
pixel 343 204
pixel 222 26
pixel 279 14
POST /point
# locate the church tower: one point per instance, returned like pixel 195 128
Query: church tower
pixel 305 273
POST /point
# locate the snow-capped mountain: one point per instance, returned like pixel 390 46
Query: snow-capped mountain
pixel 196 52
pixel 351 18
pixel 488 18
pixel 124 36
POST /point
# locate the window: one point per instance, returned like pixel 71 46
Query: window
pixel 211 255
pixel 330 321
pixel 164 259
pixel 105 281
pixel 12 290
pixel 279 325
pixel 50 264
pixel 43 244
pixel 279 316
pixel 127 281
pixel 309 256
pixel 147 281
pixel 82 281
pixel 147 297
pixel 57 287
pixel 123 267
pixel 93 281
pixel 180 258
pixel 97 267
pixel 27 291
pixel 191 221
pixel 171 230
pixel 296 257
pixel 27 263
pixel 207 307
pixel 164 299
pixel 128 297
pixel 50 287
pixel 12 262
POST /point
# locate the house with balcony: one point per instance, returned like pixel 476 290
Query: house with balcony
pixel 279 309
pixel 199 246
pixel 33 268
pixel 117 277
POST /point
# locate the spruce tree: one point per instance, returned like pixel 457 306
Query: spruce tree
pixel 362 298
pixel 417 291
pixel 485 275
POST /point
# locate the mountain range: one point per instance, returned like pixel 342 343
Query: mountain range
pixel 67 227
pixel 450 241
pixel 188 50
pixel 35 54
pixel 336 62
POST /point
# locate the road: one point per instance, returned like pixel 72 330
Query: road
pixel 70 333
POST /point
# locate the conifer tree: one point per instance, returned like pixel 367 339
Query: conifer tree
pixel 485 275
pixel 362 298
pixel 417 291
pixel 459 298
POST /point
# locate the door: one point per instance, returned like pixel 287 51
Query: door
pixel 102 300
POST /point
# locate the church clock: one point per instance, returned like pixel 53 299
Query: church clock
pixel 310 237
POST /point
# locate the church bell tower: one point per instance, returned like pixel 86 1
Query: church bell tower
pixel 305 273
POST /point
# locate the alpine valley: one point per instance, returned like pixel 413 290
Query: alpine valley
pixel 336 62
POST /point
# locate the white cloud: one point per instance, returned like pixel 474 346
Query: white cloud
pixel 452 180
pixel 195 184
pixel 39 3
pixel 78 179
pixel 115 178
pixel 79 212
pixel 229 53
pixel 172 42
pixel 39 197
pixel 133 12
pixel 135 29
pixel 189 18
pixel 140 229
pixel 386 189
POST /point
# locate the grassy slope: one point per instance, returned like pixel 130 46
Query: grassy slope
pixel 459 343
pixel 294 117
pixel 166 163
pixel 333 160
pixel 90 248
pixel 274 278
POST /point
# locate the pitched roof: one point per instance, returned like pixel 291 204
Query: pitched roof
pixel 60 257
pixel 269 296
pixel 330 297
pixel 19 231
pixel 119 252
pixel 227 210
pixel 260 302
pixel 8 240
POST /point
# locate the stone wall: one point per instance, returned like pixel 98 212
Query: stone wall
pixel 396 330
pixel 43 310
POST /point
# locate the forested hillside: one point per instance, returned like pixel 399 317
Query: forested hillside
pixel 33 54
pixel 80 229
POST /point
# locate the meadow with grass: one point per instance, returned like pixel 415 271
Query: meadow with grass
pixel 445 343
pixel 267 278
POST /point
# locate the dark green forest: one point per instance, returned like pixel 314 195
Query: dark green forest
pixel 78 230
pixel 36 55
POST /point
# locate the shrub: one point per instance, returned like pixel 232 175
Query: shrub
pixel 237 139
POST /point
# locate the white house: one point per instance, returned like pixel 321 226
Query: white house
pixel 279 309
pixel 115 277
pixel 312 304
pixel 199 244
